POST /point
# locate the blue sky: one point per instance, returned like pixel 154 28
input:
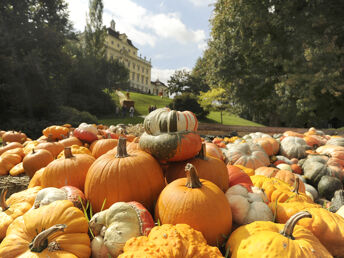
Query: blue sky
pixel 173 33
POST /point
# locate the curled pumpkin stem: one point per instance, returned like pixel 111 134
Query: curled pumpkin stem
pixel 290 224
pixel 68 153
pixel 297 185
pixel 192 177
pixel 40 242
pixel 4 205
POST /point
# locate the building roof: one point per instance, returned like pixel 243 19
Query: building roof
pixel 116 35
pixel 158 83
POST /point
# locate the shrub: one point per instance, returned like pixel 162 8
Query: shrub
pixel 188 101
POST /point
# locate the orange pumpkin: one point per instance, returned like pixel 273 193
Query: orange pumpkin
pixel 214 151
pixel 102 146
pixel 13 136
pixel 70 170
pixel 36 160
pixel 269 145
pixel 208 168
pixel 136 176
pixel 70 141
pixel 195 201
pixel 10 146
pixel 36 179
pixel 57 132
pixel 54 147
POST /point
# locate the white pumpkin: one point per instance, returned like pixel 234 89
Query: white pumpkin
pixel 246 154
pixel 114 226
pixel 284 166
pixel 49 195
pixel 163 119
pixel 340 212
pixel 88 128
pixel 255 135
pixel 247 207
pixel 294 147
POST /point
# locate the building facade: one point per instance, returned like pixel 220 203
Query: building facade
pixel 159 88
pixel 120 47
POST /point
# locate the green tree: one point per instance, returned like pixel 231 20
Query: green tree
pixel 188 101
pixel 280 62
pixel 214 99
pixel 184 81
pixel 95 32
pixel 32 62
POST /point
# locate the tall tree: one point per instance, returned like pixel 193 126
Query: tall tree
pixel 95 32
pixel 280 62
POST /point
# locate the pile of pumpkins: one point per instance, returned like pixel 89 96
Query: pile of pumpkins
pixel 99 192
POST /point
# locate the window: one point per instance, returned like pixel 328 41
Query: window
pixel 142 78
pixel 111 42
pixel 138 77
pixel 146 81
pixel 133 76
pixel 143 69
pixel 134 65
pixel 118 45
pixel 138 67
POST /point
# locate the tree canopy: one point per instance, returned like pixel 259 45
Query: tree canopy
pixel 280 62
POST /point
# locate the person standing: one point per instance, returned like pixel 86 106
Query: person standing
pixel 131 111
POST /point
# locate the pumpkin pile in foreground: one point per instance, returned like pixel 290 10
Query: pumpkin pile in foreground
pixel 97 191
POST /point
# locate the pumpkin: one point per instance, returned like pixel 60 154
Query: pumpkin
pixel 247 207
pixel 332 151
pixel 136 176
pixel 214 151
pixel 336 141
pixel 328 227
pixel 317 166
pixel 52 194
pixel 294 147
pixel 10 146
pixel 8 161
pixel 256 135
pixel 268 144
pixel 17 169
pixel 208 168
pixel 29 146
pixel 14 136
pixel 293 134
pixel 337 201
pixel 36 160
pixel 16 205
pixel 268 239
pixel 328 185
pixel 57 132
pixel 70 141
pixel 173 241
pixel 314 141
pixel 36 179
pixel 195 202
pixel 54 147
pixel 285 195
pixel 86 132
pixel 102 146
pixel 61 233
pixel 248 155
pixel 171 146
pixel 340 212
pixel 159 121
pixel 70 170
pixel 237 176
pixel 248 171
pixel 118 224
pixel 284 210
pixel 76 149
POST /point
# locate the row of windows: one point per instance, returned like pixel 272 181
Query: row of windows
pixel 138 67
pixel 144 80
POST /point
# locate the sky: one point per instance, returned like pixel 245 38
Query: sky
pixel 173 33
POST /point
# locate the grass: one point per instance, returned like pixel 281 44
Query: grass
pixel 142 102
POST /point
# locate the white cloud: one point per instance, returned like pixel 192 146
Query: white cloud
pixel 164 74
pixel 140 24
pixel 202 2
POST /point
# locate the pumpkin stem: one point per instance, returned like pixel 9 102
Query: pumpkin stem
pixel 297 185
pixel 122 148
pixel 3 203
pixel 202 154
pixel 33 151
pixel 68 152
pixel 40 242
pixel 50 138
pixel 290 224
pixel 192 177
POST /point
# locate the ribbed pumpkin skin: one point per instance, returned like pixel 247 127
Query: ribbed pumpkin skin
pixel 174 146
pixel 73 242
pixel 67 171
pixel 263 239
pixel 102 146
pixel 137 177
pixel 36 160
pixel 211 169
pixel 328 227
pixel 205 209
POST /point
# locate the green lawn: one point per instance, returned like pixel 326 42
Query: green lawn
pixel 142 102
